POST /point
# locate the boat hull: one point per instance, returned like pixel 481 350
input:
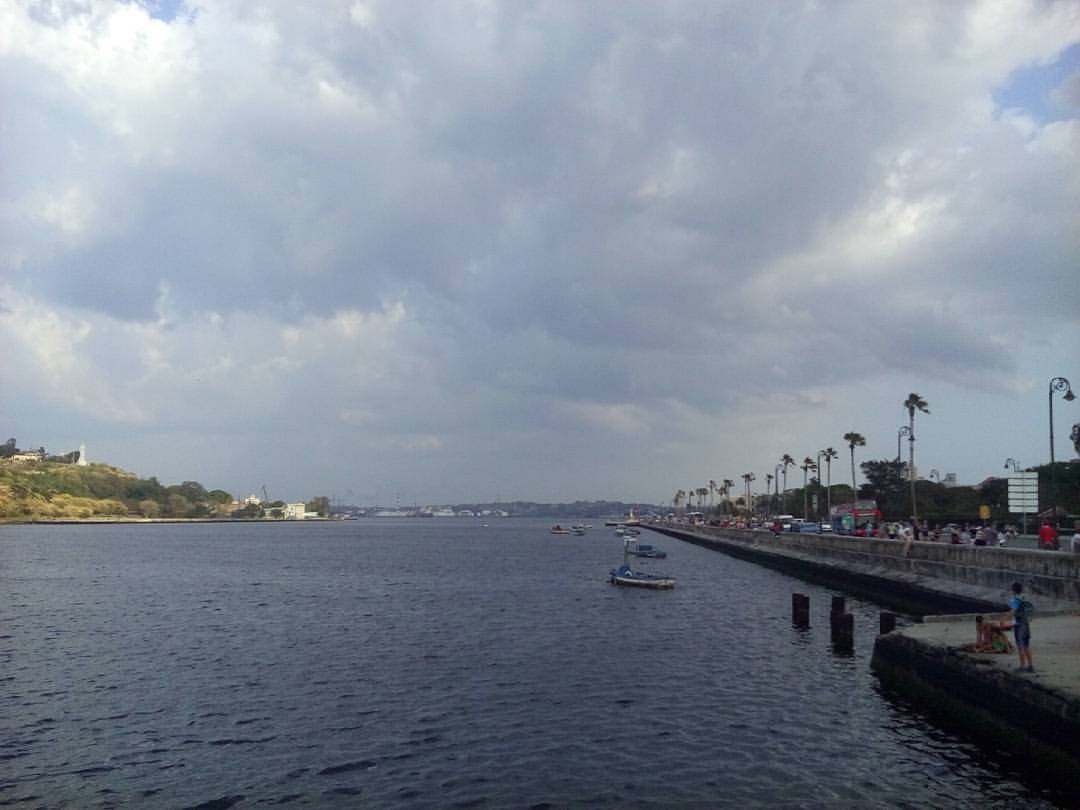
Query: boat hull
pixel 643 581
pixel 659 583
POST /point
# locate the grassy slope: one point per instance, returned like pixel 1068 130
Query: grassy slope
pixel 49 490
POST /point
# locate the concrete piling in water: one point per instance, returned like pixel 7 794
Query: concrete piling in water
pixel 888 622
pixel 843 632
pixel 800 610
pixel 837 605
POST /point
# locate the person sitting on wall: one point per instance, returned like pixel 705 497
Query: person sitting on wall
pixel 989 638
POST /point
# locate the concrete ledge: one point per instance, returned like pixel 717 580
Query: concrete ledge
pixel 1035 717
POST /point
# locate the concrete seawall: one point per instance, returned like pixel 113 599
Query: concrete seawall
pixel 1035 717
pixel 921 579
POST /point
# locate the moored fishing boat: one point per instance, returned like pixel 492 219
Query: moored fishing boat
pixel 625 575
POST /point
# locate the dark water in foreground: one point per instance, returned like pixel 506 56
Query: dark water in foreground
pixel 440 663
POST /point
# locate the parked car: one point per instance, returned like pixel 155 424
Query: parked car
pixel 826 527
pixel 809 527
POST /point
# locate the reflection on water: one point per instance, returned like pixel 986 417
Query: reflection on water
pixel 440 663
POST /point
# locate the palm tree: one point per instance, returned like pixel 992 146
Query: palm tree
pixel 768 488
pixel 712 494
pixel 677 499
pixel 787 461
pixel 854 440
pixel 725 488
pixel 913 403
pixel 829 454
pixel 748 477
pixel 701 493
pixel 807 465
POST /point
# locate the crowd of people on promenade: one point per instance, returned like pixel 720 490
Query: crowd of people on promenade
pixel 968 534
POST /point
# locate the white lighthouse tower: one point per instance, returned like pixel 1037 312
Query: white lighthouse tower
pixel 82 462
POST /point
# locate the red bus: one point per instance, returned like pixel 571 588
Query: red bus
pixel 855 519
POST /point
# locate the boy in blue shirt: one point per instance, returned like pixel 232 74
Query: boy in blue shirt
pixel 1020 609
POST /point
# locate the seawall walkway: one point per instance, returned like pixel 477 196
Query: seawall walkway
pixel 917 578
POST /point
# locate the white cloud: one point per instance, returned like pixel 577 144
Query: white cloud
pixel 461 242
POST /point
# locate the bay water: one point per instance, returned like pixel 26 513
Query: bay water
pixel 442 662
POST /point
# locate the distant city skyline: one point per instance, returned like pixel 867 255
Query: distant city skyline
pixel 458 252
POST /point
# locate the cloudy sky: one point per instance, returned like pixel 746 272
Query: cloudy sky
pixel 455 251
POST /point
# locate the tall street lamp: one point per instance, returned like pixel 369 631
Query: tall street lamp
pixel 1056 384
pixel 903 431
pixel 776 480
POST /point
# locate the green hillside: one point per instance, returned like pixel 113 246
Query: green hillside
pixel 54 491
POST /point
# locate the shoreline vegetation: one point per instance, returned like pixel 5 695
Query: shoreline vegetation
pixel 53 491
pixel 63 492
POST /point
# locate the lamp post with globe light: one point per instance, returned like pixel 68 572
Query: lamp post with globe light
pixel 904 430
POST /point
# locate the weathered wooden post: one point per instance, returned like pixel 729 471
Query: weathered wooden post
pixel 888 622
pixel 800 609
pixel 843 632
pixel 837 605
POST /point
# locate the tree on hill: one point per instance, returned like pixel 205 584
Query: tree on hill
pixel 192 490
pixel 178 505
pixel 885 479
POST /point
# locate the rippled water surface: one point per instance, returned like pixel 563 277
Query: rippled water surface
pixel 440 663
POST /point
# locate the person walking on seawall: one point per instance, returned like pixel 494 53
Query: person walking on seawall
pixel 907 534
pixel 1048 536
pixel 1020 613
pixel 1075 542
